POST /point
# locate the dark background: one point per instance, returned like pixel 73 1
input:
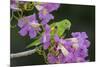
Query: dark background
pixel 82 18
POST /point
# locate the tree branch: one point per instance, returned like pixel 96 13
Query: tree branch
pixel 25 53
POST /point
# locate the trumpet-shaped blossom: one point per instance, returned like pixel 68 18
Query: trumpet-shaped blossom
pixel 44 12
pixel 50 7
pixel 29 25
pixel 46 37
pixel 45 16
pixel 82 37
pixel 70 50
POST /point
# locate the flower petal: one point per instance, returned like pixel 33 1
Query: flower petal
pixel 56 38
pixel 51 59
pixel 21 22
pixel 32 33
pixel 46 45
pixel 47 28
pixel 31 17
pixel 23 31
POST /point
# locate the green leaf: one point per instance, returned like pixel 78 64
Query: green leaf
pixel 34 43
pixel 61 26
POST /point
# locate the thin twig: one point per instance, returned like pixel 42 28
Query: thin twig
pixel 25 53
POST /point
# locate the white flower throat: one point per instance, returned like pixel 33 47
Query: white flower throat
pixel 63 49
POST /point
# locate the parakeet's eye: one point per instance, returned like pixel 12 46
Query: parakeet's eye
pixel 56 27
